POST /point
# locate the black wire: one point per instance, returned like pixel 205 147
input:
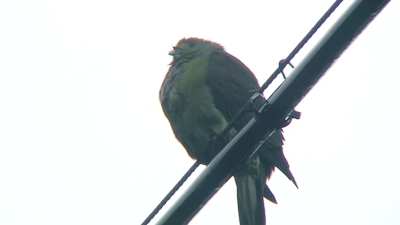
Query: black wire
pixel 171 193
pixel 282 65
pixel 245 108
pixel 300 45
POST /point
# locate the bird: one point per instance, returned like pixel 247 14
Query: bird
pixel 202 91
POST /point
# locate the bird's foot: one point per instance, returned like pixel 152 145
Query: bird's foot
pixel 215 141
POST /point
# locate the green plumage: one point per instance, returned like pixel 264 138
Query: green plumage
pixel 202 91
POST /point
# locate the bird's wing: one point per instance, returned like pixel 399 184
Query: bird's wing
pixel 229 99
pixel 223 69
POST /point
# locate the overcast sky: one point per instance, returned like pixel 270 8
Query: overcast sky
pixel 83 139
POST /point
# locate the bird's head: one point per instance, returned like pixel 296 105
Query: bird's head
pixel 191 47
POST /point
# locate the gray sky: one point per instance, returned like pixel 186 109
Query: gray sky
pixel 83 139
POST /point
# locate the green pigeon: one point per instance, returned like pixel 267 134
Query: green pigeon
pixel 203 90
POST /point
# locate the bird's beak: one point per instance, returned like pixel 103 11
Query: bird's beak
pixel 175 51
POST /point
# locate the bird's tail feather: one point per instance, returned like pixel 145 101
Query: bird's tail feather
pixel 276 157
pixel 269 195
pixel 250 199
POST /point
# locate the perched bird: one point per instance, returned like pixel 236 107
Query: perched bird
pixel 203 90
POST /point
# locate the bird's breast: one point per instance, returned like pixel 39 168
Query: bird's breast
pixel 170 97
pixel 183 84
pixel 189 106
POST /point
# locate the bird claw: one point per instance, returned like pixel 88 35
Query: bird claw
pixel 215 141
